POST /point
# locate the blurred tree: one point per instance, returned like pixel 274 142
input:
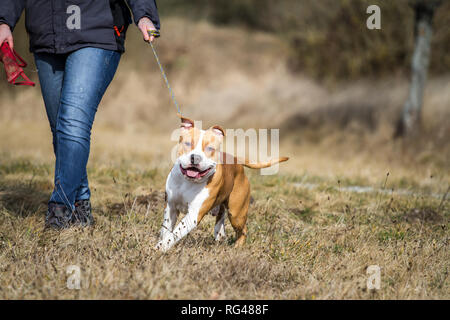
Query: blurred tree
pixel 409 122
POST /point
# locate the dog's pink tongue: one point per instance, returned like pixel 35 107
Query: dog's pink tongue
pixel 191 173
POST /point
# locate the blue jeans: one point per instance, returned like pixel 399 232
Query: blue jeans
pixel 72 86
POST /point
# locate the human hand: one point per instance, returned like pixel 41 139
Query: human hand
pixel 6 35
pixel 145 25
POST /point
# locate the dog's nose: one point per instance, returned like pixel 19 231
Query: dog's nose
pixel 195 159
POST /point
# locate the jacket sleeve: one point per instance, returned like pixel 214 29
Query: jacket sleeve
pixel 10 11
pixel 145 8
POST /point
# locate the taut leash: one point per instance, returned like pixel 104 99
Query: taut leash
pixel 156 34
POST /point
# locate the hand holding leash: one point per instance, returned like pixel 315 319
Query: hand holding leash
pixel 146 26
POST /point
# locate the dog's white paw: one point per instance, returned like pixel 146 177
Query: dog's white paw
pixel 165 244
pixel 219 232
pixel 220 236
pixel 161 246
pixel 158 245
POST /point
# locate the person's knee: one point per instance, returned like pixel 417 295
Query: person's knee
pixel 74 128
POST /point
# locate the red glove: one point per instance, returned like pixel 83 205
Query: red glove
pixel 13 65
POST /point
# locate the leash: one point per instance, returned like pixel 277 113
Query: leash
pixel 157 34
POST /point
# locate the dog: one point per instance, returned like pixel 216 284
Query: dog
pixel 204 179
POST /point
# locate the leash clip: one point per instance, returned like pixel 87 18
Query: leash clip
pixel 154 33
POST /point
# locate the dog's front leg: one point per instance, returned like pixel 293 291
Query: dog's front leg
pixel 170 218
pixel 197 209
pixel 186 225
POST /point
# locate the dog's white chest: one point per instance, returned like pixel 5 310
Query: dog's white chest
pixel 182 193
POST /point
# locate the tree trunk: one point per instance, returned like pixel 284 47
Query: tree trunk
pixel 410 120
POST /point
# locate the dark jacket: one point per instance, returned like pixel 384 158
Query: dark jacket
pixel 54 26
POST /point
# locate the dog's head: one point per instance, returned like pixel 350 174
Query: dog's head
pixel 198 150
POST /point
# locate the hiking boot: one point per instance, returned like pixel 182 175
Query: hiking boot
pixel 83 213
pixel 58 216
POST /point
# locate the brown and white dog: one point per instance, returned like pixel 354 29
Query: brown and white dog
pixel 202 180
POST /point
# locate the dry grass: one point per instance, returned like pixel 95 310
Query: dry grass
pixel 312 241
pixel 303 243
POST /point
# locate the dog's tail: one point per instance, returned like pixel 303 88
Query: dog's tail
pixel 267 164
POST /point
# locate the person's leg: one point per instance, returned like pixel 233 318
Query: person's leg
pixel 51 74
pixel 88 73
pixel 83 192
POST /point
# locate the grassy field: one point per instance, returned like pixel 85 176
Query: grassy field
pixel 349 197
pixel 310 237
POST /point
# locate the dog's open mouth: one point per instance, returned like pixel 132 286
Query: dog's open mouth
pixel 194 173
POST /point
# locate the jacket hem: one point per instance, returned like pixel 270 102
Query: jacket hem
pixel 73 48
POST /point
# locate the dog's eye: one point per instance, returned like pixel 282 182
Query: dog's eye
pixel 210 149
pixel 187 144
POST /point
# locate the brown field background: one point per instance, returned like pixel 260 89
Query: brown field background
pixel 311 236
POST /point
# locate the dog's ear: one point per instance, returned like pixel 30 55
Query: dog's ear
pixel 186 123
pixel 218 130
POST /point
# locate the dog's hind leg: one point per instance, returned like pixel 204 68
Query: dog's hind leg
pixel 219 228
pixel 238 204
